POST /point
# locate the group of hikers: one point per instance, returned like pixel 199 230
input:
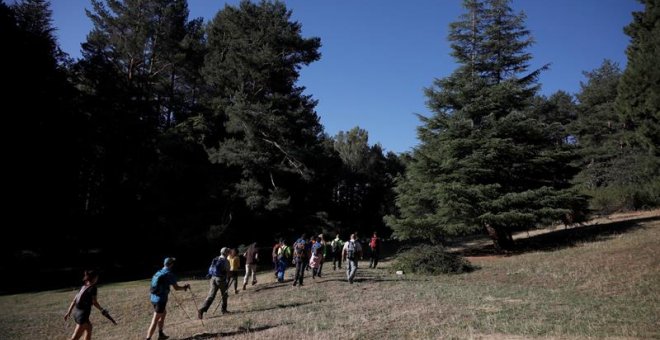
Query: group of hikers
pixel 304 254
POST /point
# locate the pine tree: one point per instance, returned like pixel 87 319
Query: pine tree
pixel 638 99
pixel 598 129
pixel 485 161
pixel 262 129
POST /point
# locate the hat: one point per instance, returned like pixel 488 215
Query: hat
pixel 224 251
pixel 169 260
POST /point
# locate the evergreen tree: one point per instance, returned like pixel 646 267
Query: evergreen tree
pixel 598 128
pixel 618 175
pixel 262 129
pixel 140 76
pixel 638 99
pixel 42 148
pixel 486 161
pixel 363 192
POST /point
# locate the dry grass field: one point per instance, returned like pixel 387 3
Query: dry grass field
pixel 601 280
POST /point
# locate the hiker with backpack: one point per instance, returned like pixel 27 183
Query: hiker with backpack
pixel 315 261
pixel 251 258
pixel 219 272
pixel 81 306
pixel 336 245
pixel 374 245
pixel 300 259
pixel 273 254
pixel 160 290
pixel 318 248
pixel 351 253
pixel 234 267
pixel 283 256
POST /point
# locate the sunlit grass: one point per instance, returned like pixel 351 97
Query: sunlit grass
pixel 598 289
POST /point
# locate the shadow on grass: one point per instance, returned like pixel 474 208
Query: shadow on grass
pixel 241 330
pixel 563 238
pixel 264 309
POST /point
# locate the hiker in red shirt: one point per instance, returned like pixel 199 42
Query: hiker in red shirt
pixel 374 244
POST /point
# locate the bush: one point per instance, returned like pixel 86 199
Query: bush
pixel 431 260
pixel 623 198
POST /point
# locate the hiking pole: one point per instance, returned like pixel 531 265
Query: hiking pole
pixel 176 300
pixel 195 302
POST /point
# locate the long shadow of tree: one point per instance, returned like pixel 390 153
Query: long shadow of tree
pixel 564 238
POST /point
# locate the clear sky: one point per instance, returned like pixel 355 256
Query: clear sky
pixel 378 55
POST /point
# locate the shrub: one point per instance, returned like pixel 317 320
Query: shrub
pixel 431 260
pixel 622 198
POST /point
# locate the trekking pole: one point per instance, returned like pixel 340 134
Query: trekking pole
pixel 220 299
pixel 195 302
pixel 176 300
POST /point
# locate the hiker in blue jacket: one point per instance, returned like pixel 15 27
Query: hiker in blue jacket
pixel 160 290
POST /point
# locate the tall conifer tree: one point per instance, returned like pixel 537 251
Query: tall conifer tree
pixel 485 162
pixel 262 128
pixel 638 100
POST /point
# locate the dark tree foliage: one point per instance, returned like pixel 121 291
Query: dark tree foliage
pixel 364 189
pixel 486 161
pixel 140 77
pixel 41 145
pixel 618 125
pixel 262 130
pixel 638 98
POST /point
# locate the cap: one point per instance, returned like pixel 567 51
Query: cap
pixel 169 260
pixel 224 251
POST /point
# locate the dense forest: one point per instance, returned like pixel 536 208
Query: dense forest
pixel 173 136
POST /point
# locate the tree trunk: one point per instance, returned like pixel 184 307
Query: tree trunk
pixel 501 237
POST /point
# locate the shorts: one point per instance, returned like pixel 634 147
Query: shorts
pixel 159 307
pixel 81 316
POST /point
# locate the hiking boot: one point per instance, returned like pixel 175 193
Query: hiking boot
pixel 200 314
pixel 236 291
pixel 162 336
pixel 244 285
pixel 254 282
pixel 295 283
pixel 225 312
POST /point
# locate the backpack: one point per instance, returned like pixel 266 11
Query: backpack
pixel 299 249
pixel 218 267
pixel 284 253
pixel 336 244
pixel 156 283
pixel 350 250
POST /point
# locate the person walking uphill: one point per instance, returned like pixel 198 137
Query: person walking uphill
pixel 283 256
pixel 160 290
pixel 300 259
pixel 337 245
pixel 251 259
pixel 351 253
pixel 374 245
pixel 81 306
pixel 219 271
pixel 234 267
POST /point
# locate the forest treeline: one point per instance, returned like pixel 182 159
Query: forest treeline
pixel 172 136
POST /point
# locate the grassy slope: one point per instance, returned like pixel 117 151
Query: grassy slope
pixel 606 286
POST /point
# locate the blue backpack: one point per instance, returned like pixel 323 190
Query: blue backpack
pixel 156 283
pixel 218 267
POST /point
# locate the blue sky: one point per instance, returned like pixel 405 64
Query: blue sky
pixel 378 55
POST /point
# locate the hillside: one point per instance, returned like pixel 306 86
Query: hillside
pixel 603 284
